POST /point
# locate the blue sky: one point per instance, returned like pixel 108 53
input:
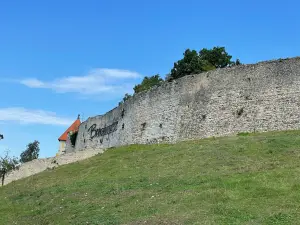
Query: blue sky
pixel 63 58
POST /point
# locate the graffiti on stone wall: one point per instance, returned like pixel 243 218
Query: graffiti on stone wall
pixel 98 132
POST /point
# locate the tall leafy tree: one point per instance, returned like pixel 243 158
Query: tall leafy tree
pixel 194 62
pixel 217 57
pixel 31 153
pixel 189 64
pixel 147 83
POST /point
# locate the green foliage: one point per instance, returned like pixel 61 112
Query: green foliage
pixel 126 97
pixel 194 62
pixel 190 64
pixel 31 153
pixel 243 134
pixel 216 57
pixel 236 63
pixel 73 137
pixel 148 83
pixel 7 164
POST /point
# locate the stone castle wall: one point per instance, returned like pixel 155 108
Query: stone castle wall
pixel 246 98
pixel 39 165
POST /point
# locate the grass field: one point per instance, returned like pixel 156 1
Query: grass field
pixel 246 179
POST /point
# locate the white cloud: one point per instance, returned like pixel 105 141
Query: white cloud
pixel 114 73
pixel 27 116
pixel 34 83
pixel 96 82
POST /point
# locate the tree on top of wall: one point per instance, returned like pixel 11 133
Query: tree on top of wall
pixel 193 62
pixel 207 59
pixel 216 57
pixel 189 64
pixel 148 83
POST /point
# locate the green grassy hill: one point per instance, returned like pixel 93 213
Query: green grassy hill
pixel 252 179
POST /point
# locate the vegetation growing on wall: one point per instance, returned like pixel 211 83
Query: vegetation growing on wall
pixel 148 83
pixel 207 59
pixel 31 153
pixel 126 97
pixel 73 137
pixel 193 62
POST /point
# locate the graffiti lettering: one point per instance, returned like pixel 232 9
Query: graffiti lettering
pixel 98 132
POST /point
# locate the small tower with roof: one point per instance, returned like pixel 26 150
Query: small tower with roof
pixel 64 137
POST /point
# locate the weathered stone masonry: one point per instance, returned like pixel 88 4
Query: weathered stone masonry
pixel 246 98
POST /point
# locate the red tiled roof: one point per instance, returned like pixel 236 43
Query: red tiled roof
pixel 73 127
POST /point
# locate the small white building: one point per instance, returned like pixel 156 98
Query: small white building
pixel 64 137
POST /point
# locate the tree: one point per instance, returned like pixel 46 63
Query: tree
pixel 7 164
pixel 31 153
pixel 217 57
pixel 148 83
pixel 194 62
pixel 190 64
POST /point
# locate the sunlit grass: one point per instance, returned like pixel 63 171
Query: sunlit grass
pixel 245 179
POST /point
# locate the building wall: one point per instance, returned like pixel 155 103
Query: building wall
pixel 62 146
pixel 69 147
pixel 247 98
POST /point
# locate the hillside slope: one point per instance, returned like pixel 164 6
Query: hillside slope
pixel 251 179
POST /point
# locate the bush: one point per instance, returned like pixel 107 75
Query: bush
pixel 148 83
